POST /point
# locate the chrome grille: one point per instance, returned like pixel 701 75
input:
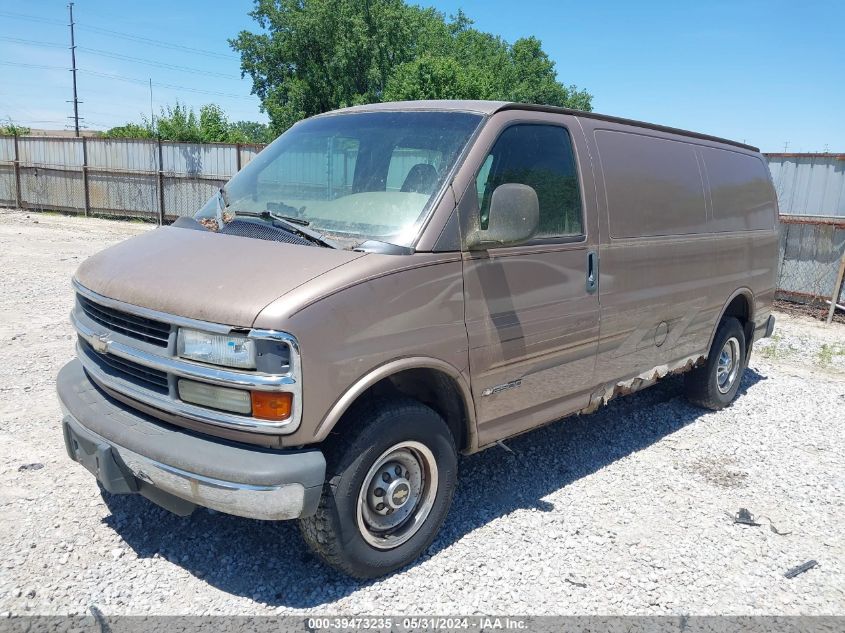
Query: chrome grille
pixel 146 372
pixel 137 327
pixel 117 367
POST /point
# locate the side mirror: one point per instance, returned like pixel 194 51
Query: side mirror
pixel 514 217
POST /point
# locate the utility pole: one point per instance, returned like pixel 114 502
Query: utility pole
pixel 73 70
pixel 152 113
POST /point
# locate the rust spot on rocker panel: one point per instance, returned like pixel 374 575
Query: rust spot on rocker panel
pixel 646 379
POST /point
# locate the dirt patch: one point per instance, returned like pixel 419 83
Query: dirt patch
pixel 722 472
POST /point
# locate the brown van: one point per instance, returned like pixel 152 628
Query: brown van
pixel 387 285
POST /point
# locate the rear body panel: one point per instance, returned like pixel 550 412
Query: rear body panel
pixel 681 235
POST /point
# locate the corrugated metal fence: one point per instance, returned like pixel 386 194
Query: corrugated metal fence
pixel 811 196
pixel 162 180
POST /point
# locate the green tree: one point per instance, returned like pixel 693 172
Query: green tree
pixel 431 77
pixel 250 132
pixel 213 125
pixel 130 130
pixel 316 55
pixel 180 123
pixel 13 129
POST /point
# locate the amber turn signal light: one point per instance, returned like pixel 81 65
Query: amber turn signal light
pixel 271 405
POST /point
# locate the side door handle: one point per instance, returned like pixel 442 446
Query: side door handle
pixel 592 271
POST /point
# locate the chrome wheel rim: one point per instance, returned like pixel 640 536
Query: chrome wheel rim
pixel 397 495
pixel 728 365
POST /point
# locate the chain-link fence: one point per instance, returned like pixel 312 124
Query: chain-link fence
pixel 158 180
pixel 811 256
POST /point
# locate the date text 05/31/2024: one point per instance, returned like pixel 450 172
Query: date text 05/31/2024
pixel 483 623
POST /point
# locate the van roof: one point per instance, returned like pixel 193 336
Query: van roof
pixel 491 107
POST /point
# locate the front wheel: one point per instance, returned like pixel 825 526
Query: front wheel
pixel 714 384
pixel 389 486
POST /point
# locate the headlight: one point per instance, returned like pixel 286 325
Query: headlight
pixel 217 349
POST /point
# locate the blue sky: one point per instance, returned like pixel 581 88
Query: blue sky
pixel 767 73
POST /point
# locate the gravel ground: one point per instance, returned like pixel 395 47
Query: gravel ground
pixel 622 512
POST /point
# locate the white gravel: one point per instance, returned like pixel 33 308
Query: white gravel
pixel 622 512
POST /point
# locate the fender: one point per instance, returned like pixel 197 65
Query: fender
pixel 749 295
pixel 388 369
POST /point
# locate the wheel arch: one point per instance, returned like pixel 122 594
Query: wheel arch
pixel 434 382
pixel 740 304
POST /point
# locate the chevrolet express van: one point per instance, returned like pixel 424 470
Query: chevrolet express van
pixel 387 285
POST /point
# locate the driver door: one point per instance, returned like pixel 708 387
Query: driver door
pixel 532 320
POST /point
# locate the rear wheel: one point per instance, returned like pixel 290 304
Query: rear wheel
pixel 389 486
pixel 714 385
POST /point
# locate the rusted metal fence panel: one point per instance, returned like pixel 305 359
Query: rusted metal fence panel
pixel 122 154
pixel 183 196
pixel 811 250
pixel 192 173
pixel 809 184
pixel 7 148
pixel 49 188
pixel 811 198
pixel 122 177
pixel 7 185
pixel 8 172
pixel 115 177
pixel 59 153
pixel 247 152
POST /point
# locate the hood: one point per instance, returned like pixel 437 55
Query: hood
pixel 203 275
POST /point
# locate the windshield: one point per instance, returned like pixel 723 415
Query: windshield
pixel 348 177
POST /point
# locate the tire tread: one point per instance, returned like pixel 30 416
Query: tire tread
pixel 699 388
pixel 341 451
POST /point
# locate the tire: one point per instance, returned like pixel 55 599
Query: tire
pixel 348 532
pixel 714 385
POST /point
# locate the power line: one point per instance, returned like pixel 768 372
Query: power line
pixel 141 82
pixel 31 18
pixel 150 62
pixel 41 66
pixel 137 60
pixel 29 121
pixel 144 82
pixel 147 40
pixel 122 35
pixel 20 40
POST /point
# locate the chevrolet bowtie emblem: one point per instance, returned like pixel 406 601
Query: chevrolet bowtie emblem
pixel 100 343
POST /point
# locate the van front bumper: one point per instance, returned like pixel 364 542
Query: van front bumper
pixel 130 452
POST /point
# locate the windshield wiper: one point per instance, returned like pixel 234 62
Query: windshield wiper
pixel 293 225
pixel 291 219
pixel 289 223
pixel 286 211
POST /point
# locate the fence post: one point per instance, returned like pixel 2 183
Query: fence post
pixel 160 183
pixel 85 195
pixel 18 195
pixel 237 157
pixel 837 288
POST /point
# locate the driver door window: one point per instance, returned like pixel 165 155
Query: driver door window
pixel 541 157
